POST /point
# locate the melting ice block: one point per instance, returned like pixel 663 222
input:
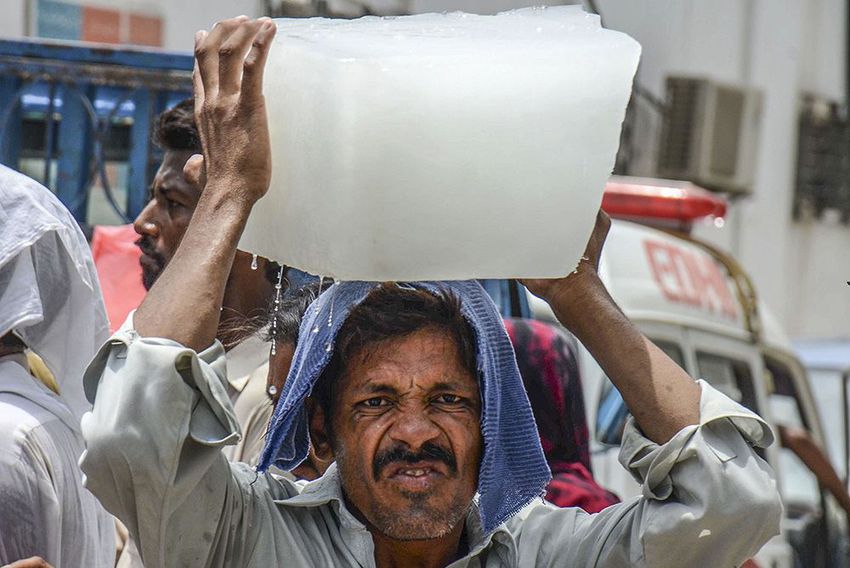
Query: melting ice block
pixel 440 146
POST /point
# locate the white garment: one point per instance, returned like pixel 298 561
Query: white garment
pixel 50 298
pixel 247 373
pixel 49 292
pixel 162 415
pixel 44 508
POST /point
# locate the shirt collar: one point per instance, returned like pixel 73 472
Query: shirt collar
pixel 244 359
pixel 327 490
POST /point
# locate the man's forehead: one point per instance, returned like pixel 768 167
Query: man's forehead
pixel 170 172
pixel 424 359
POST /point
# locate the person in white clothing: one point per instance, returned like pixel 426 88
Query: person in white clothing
pixel 50 305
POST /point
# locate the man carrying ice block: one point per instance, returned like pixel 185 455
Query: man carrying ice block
pixel 412 388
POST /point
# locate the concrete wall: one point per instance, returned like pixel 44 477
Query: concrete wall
pixel 13 22
pixel 181 18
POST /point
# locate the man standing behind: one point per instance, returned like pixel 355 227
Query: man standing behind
pixel 50 305
pixel 250 286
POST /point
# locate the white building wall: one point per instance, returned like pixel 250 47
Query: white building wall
pixel 819 251
pixel 785 48
pixel 13 22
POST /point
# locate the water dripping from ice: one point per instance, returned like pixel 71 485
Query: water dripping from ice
pixel 321 281
pixel 333 297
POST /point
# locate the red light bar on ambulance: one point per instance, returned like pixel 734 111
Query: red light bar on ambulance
pixel 649 198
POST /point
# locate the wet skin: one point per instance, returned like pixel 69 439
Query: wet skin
pixel 407 440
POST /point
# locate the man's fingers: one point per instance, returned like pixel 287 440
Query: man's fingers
pixel 197 83
pixel 231 55
pixel 255 62
pixel 206 62
pixel 206 54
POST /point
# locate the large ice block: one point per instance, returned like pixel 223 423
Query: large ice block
pixel 440 146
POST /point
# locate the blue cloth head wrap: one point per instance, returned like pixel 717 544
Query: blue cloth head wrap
pixel 513 469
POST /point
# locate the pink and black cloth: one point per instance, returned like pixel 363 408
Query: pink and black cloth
pixel 547 364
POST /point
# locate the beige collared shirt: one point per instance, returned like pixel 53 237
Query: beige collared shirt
pixel 162 414
pixel 247 370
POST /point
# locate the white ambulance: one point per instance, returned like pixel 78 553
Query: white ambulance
pixel 697 304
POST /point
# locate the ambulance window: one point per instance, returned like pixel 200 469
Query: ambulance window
pixel 732 377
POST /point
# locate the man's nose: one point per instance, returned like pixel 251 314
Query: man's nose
pixel 144 224
pixel 414 428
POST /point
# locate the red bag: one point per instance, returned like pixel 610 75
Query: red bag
pixel 116 258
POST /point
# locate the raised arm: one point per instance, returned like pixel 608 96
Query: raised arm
pixel 161 412
pixel 660 395
pixel 185 302
pixel 707 498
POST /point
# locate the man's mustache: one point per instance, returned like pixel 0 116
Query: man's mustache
pixel 147 246
pixel 428 452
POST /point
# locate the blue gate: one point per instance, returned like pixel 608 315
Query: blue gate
pixel 78 119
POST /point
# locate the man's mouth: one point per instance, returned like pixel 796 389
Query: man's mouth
pixel 413 472
pixel 148 261
pixel 415 477
pixel 150 257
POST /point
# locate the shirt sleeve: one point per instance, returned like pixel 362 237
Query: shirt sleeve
pixel 29 516
pixel 153 451
pixel 708 500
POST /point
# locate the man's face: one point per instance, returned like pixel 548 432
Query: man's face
pixel 164 220
pixel 406 435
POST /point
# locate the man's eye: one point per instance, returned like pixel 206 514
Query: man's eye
pixel 376 402
pixel 449 399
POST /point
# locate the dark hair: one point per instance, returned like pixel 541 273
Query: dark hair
pixel 388 313
pixel 175 129
pixel 12 341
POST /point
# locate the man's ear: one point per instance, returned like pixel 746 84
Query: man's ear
pixel 320 431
